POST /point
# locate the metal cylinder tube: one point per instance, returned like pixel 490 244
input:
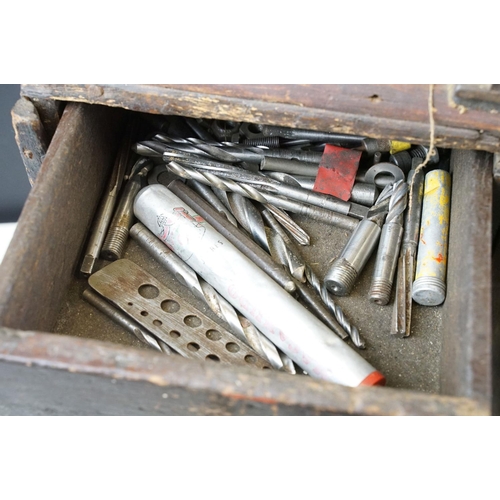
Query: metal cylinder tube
pixel 292 328
pixel 294 167
pixel 429 287
pixel 345 269
pixel 385 265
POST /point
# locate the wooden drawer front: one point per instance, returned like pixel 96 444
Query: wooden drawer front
pixel 41 264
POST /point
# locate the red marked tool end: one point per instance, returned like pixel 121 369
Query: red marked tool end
pixel 375 378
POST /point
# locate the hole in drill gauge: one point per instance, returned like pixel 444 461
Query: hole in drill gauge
pixel 170 306
pixel 250 359
pixel 213 357
pixel 157 322
pixel 266 367
pixel 232 347
pixel 192 321
pixel 149 291
pixel 193 347
pixel 213 335
pixel 129 304
pixel 375 98
pixel 144 313
pixel 174 334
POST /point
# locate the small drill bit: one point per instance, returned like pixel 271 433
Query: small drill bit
pixel 239 325
pixel 322 291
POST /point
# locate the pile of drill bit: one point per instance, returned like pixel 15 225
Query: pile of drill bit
pixel 244 180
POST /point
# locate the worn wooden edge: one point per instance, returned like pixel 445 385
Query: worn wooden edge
pixel 466 351
pixel 266 391
pixel 395 120
pixel 45 248
pixel 50 112
pixel 31 137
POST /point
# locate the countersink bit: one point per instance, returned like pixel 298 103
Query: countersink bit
pixel 115 241
pixel 125 321
pixel 388 249
pixel 345 269
pixel 337 311
pixel 251 192
pixel 401 315
pixel 238 324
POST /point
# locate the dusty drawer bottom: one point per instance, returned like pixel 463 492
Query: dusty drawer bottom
pixel 411 363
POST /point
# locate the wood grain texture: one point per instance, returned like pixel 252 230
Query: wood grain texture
pixel 46 374
pixel 39 263
pixel 380 111
pixel 467 334
pixel 31 137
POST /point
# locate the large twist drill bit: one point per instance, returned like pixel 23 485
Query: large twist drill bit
pixel 239 325
pixel 333 218
pixel 284 252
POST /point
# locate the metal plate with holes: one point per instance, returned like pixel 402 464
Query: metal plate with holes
pixel 183 327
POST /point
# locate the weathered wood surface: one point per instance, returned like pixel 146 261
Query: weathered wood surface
pixel 467 335
pixel 381 111
pixel 31 137
pixel 44 374
pixel 50 112
pixel 39 263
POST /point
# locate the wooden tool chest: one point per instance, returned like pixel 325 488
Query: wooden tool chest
pixel 83 369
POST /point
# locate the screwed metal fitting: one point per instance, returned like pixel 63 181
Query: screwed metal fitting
pixel 402 160
pixel 429 287
pixel 116 239
pixel 345 269
pixel 388 250
pixel 421 152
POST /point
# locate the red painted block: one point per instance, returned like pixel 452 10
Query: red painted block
pixel 337 171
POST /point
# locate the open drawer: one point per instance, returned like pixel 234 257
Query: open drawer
pixel 447 370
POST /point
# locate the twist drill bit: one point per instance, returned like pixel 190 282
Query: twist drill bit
pixel 340 220
pixel 284 252
pixel 388 250
pixel 273 186
pixel 115 241
pixel 244 211
pixel 210 197
pixel 401 316
pixel 124 321
pixel 239 325
pixel 322 291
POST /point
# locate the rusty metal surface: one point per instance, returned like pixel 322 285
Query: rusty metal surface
pixel 379 111
pixel 51 374
pixel 39 263
pixel 467 333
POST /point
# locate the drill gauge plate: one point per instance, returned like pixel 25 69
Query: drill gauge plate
pixel 169 317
